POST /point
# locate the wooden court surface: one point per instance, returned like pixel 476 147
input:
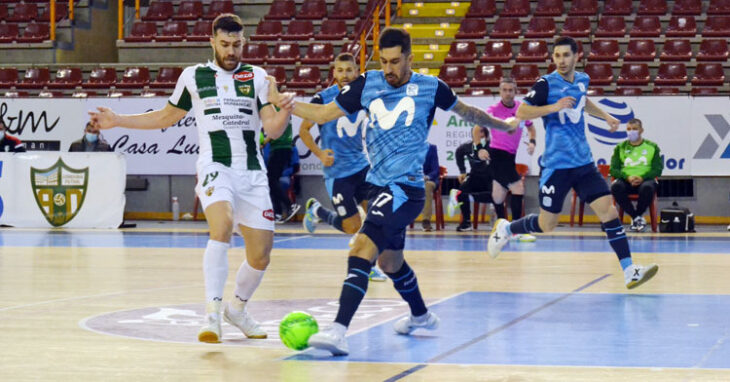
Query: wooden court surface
pixel 46 291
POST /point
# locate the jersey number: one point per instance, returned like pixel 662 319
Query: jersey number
pixel 209 178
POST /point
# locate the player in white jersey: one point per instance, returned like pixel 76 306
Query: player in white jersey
pixel 230 104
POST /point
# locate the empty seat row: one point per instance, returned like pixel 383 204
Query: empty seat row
pixel 187 10
pixel 500 51
pixel 521 8
pixel 645 50
pixel 32 33
pixel 268 30
pixel 27 12
pixel 83 93
pixel 287 53
pixel 99 78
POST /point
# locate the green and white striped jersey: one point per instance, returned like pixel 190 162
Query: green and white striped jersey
pixel 226 107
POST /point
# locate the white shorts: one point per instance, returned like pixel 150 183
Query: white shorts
pixel 247 191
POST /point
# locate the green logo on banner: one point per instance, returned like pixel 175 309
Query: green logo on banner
pixel 59 191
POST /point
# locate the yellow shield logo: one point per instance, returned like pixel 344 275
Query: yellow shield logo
pixel 59 191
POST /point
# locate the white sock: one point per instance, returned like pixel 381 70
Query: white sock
pixel 215 269
pixel 247 280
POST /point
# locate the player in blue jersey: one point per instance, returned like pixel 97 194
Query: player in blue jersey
pixel 343 158
pixel 560 99
pixel 401 105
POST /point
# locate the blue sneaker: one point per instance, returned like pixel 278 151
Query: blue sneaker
pixel 310 219
pixel 377 275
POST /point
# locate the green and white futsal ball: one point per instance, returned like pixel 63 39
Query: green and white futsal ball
pixel 296 328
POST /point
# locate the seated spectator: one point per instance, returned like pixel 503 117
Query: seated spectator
pixel 431 172
pixel 478 183
pixel 91 141
pixel 635 165
pixel 9 143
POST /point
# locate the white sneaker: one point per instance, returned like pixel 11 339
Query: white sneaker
pixel 453 202
pixel 331 340
pixel 636 275
pixel 211 331
pixel 409 323
pixel 244 322
pixel 524 238
pixel 377 275
pixel 498 238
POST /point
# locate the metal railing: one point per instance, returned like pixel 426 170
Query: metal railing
pixel 52 17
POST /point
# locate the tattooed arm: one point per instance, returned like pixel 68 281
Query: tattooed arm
pixel 481 118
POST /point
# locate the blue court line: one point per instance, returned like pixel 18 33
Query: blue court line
pixel 495 330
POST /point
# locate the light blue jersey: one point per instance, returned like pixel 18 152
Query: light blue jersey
pixel 566 145
pixel 399 122
pixel 344 137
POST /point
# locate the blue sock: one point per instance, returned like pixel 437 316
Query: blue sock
pixel 353 289
pixel 406 283
pixel 527 224
pixel 620 244
pixel 329 216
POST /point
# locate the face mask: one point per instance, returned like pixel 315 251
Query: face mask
pixel 483 142
pixel 91 137
pixel 633 135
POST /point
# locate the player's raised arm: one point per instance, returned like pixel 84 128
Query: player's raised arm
pixel 318 114
pixel 105 118
pixel 479 117
pixel 594 110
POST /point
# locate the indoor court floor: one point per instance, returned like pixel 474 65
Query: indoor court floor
pixel 126 305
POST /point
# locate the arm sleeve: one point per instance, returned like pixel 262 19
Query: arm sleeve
pixel 317 99
pixel 616 165
pixel 445 97
pixel 460 153
pixel 180 97
pixel 657 166
pixel 538 95
pixel 349 98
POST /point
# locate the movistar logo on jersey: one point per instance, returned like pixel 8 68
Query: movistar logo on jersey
pixel 345 126
pixel 600 130
pixel 387 118
pixel 641 161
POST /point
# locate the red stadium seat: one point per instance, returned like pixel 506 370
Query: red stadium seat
pixel 506 27
pixel 640 50
pixel 601 74
pixel 23 13
pixel 16 94
pixel 313 10
pixel 687 7
pixel 482 9
pixel 583 8
pixel 713 50
pixel 717 26
pixel 142 31
pixel 674 73
pixel 66 78
pixel 486 76
pixel 268 30
pixel 255 53
pixel 549 8
pixel 277 72
pixel 665 91
pixel 8 77
pixel 525 74
pixel 453 75
pixel 159 11
pixel 201 31
pixel 285 53
pixel 319 53
pixel 354 34
pixel 101 78
pixel 472 28
pixel 594 91
pixel 61 12
pixel 634 74
pixel 461 52
pixel 299 30
pixel 576 27
pixel 611 26
pixel 4 12
pixel 189 10
pixel 305 77
pixel 676 50
pixel 35 78
pixel 515 8
pixel 617 7
pixel 628 92
pixel 35 33
pixel 646 26
pixel 345 10
pixel 719 7
pixel 604 50
pixel 83 94
pixel 497 51
pixel 351 47
pixel 281 10
pixel 134 78
pixel 50 94
pixel 332 30
pixel 218 7
pixel 709 73
pixel 698 91
pixel 681 26
pixel 478 92
pixel 173 31
pixel 166 77
pixel 652 7
pixel 533 51
pixel 329 80
pixel 8 33
pixel 541 27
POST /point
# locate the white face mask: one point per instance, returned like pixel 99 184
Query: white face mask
pixel 633 135
pixel 483 142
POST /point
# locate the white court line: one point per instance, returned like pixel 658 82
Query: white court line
pixel 292 238
pixel 96 296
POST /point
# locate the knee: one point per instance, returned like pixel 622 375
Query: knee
pixel 260 262
pixel 352 224
pixel 617 187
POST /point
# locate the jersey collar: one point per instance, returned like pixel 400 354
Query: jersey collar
pixel 217 68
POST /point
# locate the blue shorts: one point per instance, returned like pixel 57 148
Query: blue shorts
pixel 346 193
pixel 556 183
pixel 390 210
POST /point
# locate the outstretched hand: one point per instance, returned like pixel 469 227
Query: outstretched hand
pixel 284 101
pixel 103 118
pixel 327 157
pixel 613 123
pixel 514 123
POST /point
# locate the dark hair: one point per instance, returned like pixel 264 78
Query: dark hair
pixel 568 41
pixel 635 121
pixel 392 37
pixel 227 22
pixel 345 57
pixel 507 80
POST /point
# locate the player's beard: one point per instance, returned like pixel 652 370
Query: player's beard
pixel 226 66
